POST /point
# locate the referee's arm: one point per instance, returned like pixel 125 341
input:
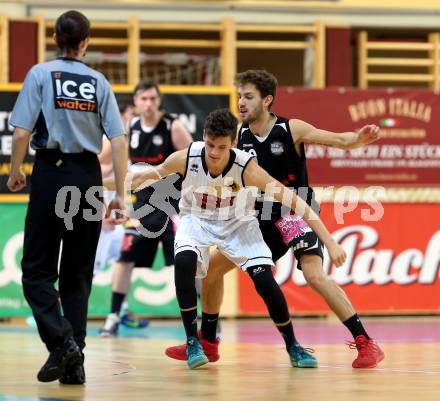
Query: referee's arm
pixel 20 144
pixel 120 156
pixel 120 160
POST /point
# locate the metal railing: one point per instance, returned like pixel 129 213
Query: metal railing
pixel 132 36
pixel 425 56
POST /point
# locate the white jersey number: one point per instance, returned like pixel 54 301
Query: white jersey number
pixel 134 140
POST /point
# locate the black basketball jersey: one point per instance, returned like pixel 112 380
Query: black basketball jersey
pixel 276 154
pixel 152 147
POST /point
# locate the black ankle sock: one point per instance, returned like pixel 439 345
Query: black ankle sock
pixel 287 333
pixel 117 300
pixel 189 319
pixel 209 326
pixel 354 324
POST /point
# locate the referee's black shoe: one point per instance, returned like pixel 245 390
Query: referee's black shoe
pixel 74 373
pixel 55 366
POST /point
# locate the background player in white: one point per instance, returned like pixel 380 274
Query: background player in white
pixel 216 210
pixel 110 240
pixel 111 237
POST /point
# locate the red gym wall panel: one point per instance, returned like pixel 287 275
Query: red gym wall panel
pixel 338 59
pixel 408 153
pixel 22 49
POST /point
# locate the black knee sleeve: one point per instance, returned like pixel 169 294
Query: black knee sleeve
pixel 262 277
pixel 270 291
pixel 185 268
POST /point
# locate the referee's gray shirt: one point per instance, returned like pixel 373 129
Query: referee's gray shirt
pixel 67 106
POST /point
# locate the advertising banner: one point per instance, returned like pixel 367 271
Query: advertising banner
pixel 152 292
pixel 408 152
pixel 392 265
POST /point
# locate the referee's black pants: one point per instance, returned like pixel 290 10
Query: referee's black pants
pixel 63 312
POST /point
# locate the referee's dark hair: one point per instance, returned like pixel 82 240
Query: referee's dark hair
pixel 71 28
pixel 220 122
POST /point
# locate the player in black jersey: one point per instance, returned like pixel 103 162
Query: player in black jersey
pixel 153 136
pixel 278 144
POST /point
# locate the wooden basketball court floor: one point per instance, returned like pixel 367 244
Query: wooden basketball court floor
pixel 253 364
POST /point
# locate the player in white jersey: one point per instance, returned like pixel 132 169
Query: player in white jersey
pixel 216 210
pixel 109 243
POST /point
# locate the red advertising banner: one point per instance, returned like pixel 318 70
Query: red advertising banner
pixel 392 265
pixel 408 152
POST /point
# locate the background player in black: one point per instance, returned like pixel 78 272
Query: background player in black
pixel 277 152
pixel 67 107
pixel 153 136
pixel 278 144
pixel 126 111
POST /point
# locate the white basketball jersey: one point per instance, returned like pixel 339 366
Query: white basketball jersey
pixel 216 198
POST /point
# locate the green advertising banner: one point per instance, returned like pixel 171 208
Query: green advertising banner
pixel 152 292
pixel 12 302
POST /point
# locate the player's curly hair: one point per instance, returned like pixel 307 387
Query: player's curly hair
pixel 220 122
pixel 264 81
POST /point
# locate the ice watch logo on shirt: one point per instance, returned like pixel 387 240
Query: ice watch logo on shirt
pixel 74 91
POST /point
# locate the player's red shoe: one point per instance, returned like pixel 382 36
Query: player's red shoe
pixel 210 350
pixel 369 353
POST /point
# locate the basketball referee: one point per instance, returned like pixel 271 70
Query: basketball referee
pixel 64 108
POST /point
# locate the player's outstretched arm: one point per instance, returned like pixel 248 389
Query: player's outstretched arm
pixel 307 133
pixel 254 175
pixel 174 163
